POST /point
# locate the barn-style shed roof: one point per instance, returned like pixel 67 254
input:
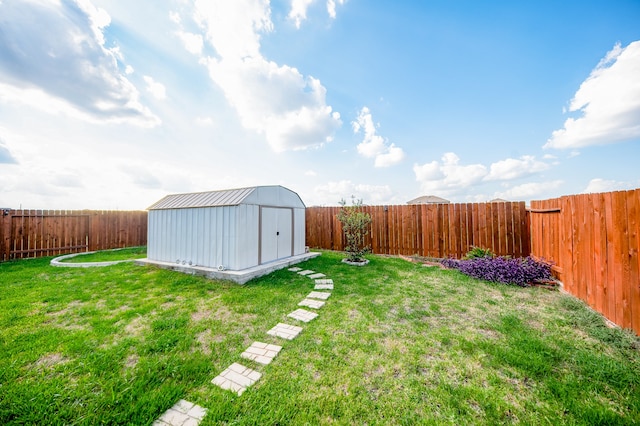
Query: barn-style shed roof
pixel 268 195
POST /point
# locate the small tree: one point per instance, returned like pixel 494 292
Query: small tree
pixel 355 225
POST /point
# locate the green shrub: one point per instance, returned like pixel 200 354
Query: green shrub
pixel 479 252
pixel 355 225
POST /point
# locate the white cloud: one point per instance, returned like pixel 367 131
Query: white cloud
pixel 512 168
pixel 204 121
pixel 603 185
pixel 374 145
pixel 609 102
pixel 192 42
pixel 277 101
pixel 332 192
pixel 156 89
pixel 331 7
pixel 448 176
pixel 68 62
pixel 530 190
pixel 298 12
pixel 5 155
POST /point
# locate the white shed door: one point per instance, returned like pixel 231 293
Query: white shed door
pixel 276 234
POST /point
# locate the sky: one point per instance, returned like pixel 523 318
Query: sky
pixel 113 104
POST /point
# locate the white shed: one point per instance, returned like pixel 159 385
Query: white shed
pixel 228 230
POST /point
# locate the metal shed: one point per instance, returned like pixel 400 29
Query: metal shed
pixel 228 230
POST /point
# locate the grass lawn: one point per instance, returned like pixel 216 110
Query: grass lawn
pixel 396 343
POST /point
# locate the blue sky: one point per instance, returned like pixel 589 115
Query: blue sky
pixel 107 104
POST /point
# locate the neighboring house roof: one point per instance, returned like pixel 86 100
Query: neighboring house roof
pixel 499 200
pixel 260 195
pixel 428 199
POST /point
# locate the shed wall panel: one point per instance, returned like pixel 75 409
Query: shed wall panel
pixel 299 243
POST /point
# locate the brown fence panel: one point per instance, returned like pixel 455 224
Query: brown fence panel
pixel 36 233
pixel 434 230
pixel 594 241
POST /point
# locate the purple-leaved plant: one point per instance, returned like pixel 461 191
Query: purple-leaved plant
pixel 519 271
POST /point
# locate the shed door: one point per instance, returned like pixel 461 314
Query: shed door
pixel 276 234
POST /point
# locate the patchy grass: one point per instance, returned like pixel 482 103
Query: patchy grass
pixel 396 343
pixel 109 255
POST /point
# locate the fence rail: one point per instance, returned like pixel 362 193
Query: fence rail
pixel 430 230
pixel 594 240
pixel 36 233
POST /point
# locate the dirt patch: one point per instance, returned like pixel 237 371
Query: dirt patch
pixel 136 327
pixel 50 360
pixel 204 340
pixel 131 361
pixel 171 303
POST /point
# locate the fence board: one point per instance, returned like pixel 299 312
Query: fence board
pixel 437 230
pixel 594 240
pixel 36 233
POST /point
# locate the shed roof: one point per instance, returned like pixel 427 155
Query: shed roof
pixel 230 197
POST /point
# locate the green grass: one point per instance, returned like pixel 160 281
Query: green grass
pixel 395 344
pixel 130 253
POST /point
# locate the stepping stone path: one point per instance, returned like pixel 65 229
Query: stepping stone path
pixel 318 295
pixel 285 331
pixel 324 285
pixel 302 315
pixel 184 413
pixel 263 353
pixel 237 378
pixel 311 303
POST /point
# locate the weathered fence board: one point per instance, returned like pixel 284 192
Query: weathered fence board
pixel 430 230
pixel 36 233
pixel 594 240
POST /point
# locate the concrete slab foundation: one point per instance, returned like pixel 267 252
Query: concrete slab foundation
pixel 239 277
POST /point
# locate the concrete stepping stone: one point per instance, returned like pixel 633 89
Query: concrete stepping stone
pixel 302 315
pixel 325 281
pixel 295 269
pixel 260 352
pixel 183 413
pixel 318 275
pixel 236 378
pixel 285 331
pixel 312 303
pixel 323 286
pixel 318 295
pixel 306 272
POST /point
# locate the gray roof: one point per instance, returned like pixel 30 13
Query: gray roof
pixel 428 199
pixel 270 195
pixel 227 197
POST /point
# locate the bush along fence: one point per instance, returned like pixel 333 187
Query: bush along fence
pixel 429 230
pixel 36 233
pixel 593 240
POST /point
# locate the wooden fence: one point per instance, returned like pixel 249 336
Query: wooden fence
pixel 594 241
pixel 430 230
pixel 36 233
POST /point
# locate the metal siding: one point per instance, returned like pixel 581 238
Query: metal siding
pixel 227 235
pixel 246 229
pixel 299 231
